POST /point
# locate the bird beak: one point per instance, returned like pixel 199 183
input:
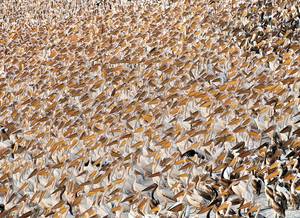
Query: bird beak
pixel 153 186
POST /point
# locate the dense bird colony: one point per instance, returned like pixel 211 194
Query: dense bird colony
pixel 149 109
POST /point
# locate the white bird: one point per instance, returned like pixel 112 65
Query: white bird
pixel 244 190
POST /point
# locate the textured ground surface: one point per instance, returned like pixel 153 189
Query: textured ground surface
pixel 102 107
